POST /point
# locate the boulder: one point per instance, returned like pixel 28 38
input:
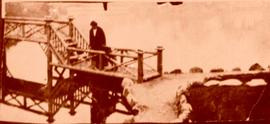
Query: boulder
pixel 183 109
pixel 256 67
pixel 176 71
pixel 196 70
pixel 256 82
pixel 236 69
pixel 216 70
pixel 211 83
pixel 230 82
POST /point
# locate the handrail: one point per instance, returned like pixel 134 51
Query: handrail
pixel 82 42
pixel 26 22
pixel 23 18
pixel 100 52
pixel 58 46
pixel 9 18
pixel 125 49
pixel 60 39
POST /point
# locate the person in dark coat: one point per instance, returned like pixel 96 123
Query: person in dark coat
pixel 97 42
pixel 97 37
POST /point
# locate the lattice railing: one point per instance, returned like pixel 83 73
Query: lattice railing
pixel 27 103
pixel 58 102
pixel 68 44
pixel 25 30
pixel 79 39
pixel 58 46
pixel 130 63
pixel 80 94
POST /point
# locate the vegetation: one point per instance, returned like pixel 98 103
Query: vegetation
pixel 228 102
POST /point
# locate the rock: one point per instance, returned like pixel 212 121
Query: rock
pixel 256 82
pixel 256 67
pixel 176 71
pixel 216 70
pixel 183 108
pixel 196 70
pixel 127 83
pixel 236 69
pixel 128 91
pixel 211 83
pixel 230 82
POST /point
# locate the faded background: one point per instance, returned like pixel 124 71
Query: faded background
pixel 223 34
pixel 207 34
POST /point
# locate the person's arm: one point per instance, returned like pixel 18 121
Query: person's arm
pixel 103 43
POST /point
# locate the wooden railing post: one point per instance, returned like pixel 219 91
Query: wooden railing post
pixel 49 71
pixel 159 60
pixel 69 52
pixel 100 61
pixel 23 30
pixel 122 58
pixel 140 66
pixel 70 25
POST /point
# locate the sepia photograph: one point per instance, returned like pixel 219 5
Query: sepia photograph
pixel 135 61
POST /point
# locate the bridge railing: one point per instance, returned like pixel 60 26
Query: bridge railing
pixel 25 29
pixel 65 39
pixel 77 36
pixel 128 61
pixel 58 45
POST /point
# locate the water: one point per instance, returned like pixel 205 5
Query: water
pixel 206 34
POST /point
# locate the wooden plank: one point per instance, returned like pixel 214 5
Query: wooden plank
pixel 25 22
pixel 92 71
pixel 23 19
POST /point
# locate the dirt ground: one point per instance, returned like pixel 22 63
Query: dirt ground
pixel 155 99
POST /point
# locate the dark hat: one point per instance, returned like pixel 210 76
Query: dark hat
pixel 93 23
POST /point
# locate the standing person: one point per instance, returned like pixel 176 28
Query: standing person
pixel 97 37
pixel 97 42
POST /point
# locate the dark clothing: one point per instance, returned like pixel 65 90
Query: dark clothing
pixel 98 41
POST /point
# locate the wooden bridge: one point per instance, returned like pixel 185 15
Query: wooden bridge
pixel 62 41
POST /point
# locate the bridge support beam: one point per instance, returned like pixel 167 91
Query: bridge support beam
pixel 2 57
pixel 49 73
pixel 71 94
pixel 3 71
